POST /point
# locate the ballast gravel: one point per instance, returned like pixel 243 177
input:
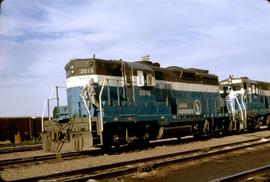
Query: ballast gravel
pixel 57 166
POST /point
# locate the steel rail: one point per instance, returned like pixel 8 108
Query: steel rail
pixel 20 148
pixel 240 175
pixel 145 164
pixel 33 159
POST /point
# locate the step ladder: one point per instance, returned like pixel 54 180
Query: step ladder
pixel 96 137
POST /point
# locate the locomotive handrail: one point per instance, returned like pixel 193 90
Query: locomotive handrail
pixel 47 103
pixel 44 108
pixel 244 107
pixel 240 109
pixel 89 115
pixel 235 100
pixel 100 106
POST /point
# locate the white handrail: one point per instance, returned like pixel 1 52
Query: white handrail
pixel 240 108
pixel 89 115
pixel 100 106
pixel 244 109
pixel 244 106
pixel 46 104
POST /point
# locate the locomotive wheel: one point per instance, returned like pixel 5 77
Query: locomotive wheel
pixel 238 128
pixel 225 127
pixel 231 126
pixel 251 125
pixel 146 138
pixel 218 128
pixel 141 143
pixel 197 131
pixel 254 123
pixel 234 127
pixel 206 128
pixel 268 121
pixel 107 140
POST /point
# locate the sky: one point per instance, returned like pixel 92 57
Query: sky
pixel 37 39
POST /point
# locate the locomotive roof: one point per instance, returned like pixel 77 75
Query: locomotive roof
pixel 113 67
pixel 86 60
pixel 260 84
pixel 134 65
pixel 139 66
pixel 156 65
pixel 179 74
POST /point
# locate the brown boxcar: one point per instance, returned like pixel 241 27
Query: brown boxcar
pixel 29 127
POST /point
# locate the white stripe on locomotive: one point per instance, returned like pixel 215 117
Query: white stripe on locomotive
pixel 80 81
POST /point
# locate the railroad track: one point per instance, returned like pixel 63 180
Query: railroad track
pixel 5 163
pixel 37 159
pixel 20 148
pixel 249 175
pixel 145 164
pixel 93 152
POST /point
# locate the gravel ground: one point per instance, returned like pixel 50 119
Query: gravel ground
pixel 24 171
pixel 208 169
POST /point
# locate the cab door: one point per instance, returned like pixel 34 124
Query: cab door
pixel 128 83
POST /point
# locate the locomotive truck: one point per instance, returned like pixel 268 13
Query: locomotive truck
pixel 141 101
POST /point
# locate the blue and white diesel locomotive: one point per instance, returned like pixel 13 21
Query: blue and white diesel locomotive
pixel 247 102
pixel 135 102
